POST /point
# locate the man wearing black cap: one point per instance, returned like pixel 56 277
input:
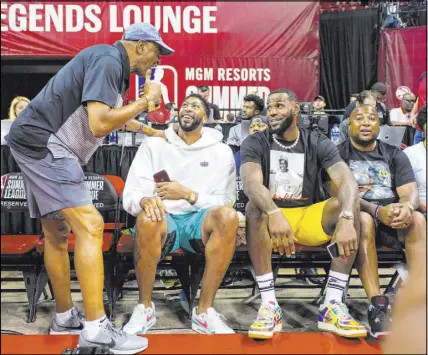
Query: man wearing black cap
pixel 319 104
pixel 52 138
pixel 379 91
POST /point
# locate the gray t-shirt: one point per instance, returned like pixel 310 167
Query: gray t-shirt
pixel 57 120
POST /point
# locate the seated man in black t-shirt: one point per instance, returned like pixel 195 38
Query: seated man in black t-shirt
pixel 389 197
pixel 285 208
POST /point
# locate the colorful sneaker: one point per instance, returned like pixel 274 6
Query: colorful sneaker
pixel 210 322
pixel 335 318
pixel 117 341
pixel 379 316
pixel 141 321
pixel 269 320
pixel 74 325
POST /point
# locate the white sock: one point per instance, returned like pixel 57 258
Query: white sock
pixel 267 288
pixel 336 285
pixel 92 327
pixel 65 316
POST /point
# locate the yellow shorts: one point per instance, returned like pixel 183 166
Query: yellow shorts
pixel 306 223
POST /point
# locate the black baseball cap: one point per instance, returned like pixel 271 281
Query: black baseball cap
pixel 319 97
pixel 379 87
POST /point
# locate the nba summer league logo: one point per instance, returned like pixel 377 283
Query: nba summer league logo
pixel 167 77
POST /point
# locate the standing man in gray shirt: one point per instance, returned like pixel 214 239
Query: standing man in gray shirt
pixel 52 138
pixel 253 106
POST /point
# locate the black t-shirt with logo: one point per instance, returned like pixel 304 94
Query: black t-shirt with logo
pixel 291 175
pixel 378 172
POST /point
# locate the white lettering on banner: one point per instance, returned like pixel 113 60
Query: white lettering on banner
pixel 94 187
pixel 201 74
pixel 168 18
pixel 230 96
pixel 75 18
pixel 9 204
pixel 243 74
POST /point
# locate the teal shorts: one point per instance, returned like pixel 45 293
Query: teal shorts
pixel 184 232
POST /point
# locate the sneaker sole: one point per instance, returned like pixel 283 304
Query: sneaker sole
pixel 148 327
pixel 201 330
pixel 378 335
pixel 256 334
pixel 130 351
pixel 65 332
pixel 343 333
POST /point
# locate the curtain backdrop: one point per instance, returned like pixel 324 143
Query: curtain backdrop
pixel 349 42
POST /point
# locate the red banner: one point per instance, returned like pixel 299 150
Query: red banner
pixel 402 60
pixel 233 47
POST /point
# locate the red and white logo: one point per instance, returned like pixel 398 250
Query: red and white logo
pixel 167 77
pixel 3 184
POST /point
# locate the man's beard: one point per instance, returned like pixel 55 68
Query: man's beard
pixel 364 142
pixel 189 128
pixel 285 124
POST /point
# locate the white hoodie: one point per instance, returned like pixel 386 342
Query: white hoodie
pixel 207 167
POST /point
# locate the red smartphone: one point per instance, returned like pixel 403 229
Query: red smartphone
pixel 161 176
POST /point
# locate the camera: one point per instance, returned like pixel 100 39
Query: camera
pixel 314 122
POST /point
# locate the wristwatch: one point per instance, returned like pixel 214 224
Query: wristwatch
pixel 140 130
pixel 346 215
pixel 192 198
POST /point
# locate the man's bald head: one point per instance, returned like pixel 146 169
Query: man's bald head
pixel 408 101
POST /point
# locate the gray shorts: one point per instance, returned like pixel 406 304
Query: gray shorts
pixel 52 184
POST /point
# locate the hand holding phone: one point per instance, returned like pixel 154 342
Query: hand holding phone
pixel 333 250
pixel 161 176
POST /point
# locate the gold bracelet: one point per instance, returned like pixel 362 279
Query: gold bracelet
pixel 150 104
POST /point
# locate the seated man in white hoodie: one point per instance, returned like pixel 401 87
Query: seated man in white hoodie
pixel 192 212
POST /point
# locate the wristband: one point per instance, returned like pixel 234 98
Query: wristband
pixel 274 211
pixel 376 213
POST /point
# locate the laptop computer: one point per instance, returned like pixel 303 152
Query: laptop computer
pixel 5 128
pixel 392 135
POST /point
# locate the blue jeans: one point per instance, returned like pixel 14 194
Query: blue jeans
pixel 418 137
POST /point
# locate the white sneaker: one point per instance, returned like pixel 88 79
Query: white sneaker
pixel 141 321
pixel 210 322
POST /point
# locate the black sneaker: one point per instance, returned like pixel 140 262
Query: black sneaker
pixel 74 325
pixel 379 315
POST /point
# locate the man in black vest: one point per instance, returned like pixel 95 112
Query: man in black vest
pixel 389 197
pixel 276 221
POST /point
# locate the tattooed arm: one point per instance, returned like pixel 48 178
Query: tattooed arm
pixel 346 186
pixel 279 229
pixel 135 126
pixel 252 178
pixel 346 232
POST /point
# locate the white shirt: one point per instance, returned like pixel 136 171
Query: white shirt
pixel 418 158
pixel 397 115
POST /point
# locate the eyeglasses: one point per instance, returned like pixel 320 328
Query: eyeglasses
pixel 413 101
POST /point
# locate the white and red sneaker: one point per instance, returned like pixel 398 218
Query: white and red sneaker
pixel 210 323
pixel 141 321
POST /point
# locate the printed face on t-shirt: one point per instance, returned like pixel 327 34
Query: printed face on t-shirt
pixel 286 175
pixel 373 178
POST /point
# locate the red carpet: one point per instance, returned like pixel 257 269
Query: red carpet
pixel 284 343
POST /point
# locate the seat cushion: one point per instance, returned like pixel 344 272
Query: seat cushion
pixel 18 244
pixel 107 243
